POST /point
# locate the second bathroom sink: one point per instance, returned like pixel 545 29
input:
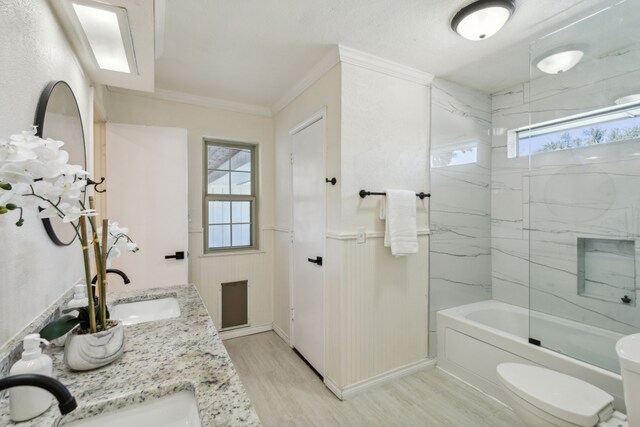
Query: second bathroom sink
pixel 176 410
pixel 146 311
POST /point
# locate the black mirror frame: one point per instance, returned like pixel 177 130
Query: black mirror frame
pixel 41 112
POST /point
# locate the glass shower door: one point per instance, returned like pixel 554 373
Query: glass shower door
pixel 583 185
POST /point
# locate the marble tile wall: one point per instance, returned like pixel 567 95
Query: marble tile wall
pixel 460 253
pixel 541 205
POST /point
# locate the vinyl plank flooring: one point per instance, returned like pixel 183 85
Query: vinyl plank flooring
pixel 286 392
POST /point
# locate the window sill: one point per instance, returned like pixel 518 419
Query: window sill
pixel 232 253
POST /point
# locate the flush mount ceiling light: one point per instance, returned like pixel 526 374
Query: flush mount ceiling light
pixel 106 30
pixel 559 62
pixel 482 19
pixel 627 99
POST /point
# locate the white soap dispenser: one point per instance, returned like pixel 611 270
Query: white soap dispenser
pixel 26 402
pixel 79 298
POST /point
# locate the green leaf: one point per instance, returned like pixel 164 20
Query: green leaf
pixel 69 310
pixel 59 327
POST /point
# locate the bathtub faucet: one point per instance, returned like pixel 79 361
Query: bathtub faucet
pixel 66 401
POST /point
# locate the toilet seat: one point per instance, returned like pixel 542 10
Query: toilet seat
pixel 559 395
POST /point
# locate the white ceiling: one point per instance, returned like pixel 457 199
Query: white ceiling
pixel 252 51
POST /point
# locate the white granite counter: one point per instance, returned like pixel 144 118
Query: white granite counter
pixel 160 358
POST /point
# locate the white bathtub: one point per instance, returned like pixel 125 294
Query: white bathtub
pixel 473 339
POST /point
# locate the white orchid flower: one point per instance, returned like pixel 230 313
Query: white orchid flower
pixel 24 172
pixel 14 195
pixel 74 170
pixel 55 166
pixel 45 189
pixel 68 187
pixel 27 139
pixel 51 211
pixel 12 152
pixel 48 149
pixel 74 213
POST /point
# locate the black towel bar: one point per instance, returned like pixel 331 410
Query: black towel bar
pixel 364 193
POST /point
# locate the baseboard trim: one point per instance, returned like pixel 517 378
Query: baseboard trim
pixel 241 332
pixel 393 374
pixel 281 333
pixel 333 387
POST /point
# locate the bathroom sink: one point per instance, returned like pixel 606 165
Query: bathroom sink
pixel 146 311
pixel 176 410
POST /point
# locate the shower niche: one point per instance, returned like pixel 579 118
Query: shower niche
pixel 607 270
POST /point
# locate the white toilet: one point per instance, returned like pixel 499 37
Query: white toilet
pixel 628 349
pixel 545 398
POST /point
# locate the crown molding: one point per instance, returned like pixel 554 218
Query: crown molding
pixel 333 57
pixel 328 61
pixel 341 53
pixel 201 101
pixel 381 65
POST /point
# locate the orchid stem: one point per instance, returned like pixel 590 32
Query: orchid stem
pixel 87 276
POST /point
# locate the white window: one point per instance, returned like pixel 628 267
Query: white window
pixel 230 198
pixel 614 124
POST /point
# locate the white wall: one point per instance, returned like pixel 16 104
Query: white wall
pixel 460 249
pixel 208 271
pixel 379 303
pixel 378 138
pixel 323 93
pixel 33 51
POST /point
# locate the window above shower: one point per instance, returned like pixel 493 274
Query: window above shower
pixel 609 125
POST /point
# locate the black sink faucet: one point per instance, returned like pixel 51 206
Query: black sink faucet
pixel 66 402
pixel 114 271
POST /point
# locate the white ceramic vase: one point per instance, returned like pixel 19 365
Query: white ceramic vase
pixel 90 351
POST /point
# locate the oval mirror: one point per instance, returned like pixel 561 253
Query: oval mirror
pixel 58 117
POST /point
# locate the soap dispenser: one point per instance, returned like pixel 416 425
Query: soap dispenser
pixel 26 402
pixel 79 298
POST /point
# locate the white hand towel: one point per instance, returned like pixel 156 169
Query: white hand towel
pixel 401 232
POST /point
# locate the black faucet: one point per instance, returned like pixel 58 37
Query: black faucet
pixel 114 271
pixel 108 270
pixel 66 402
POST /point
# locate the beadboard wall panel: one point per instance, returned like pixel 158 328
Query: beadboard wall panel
pixel 334 366
pixel 379 309
pixel 281 271
pixel 208 272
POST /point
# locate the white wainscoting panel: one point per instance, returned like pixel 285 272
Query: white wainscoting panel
pixel 208 272
pixel 376 311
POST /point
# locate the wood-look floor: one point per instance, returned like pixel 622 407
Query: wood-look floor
pixel 285 392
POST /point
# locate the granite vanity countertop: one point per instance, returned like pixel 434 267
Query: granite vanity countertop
pixel 160 358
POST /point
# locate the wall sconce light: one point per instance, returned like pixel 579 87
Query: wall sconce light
pixel 482 18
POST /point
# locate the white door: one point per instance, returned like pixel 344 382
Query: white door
pixel 308 185
pixel 146 169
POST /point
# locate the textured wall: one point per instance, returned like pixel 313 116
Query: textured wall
pixel 208 271
pixel 378 138
pixel 33 51
pixel 460 252
pixel 381 301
